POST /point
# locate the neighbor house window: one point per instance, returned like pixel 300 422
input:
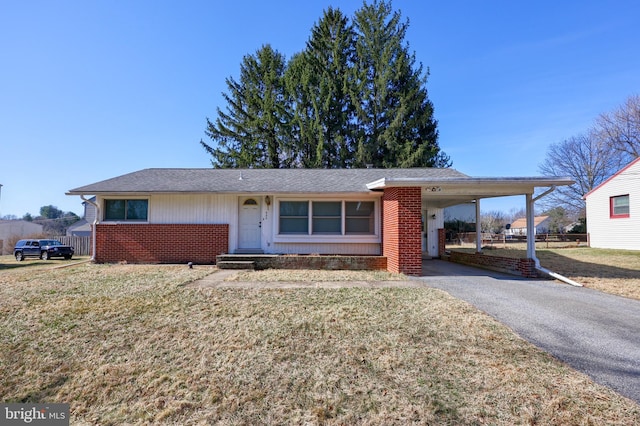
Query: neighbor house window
pixel 311 217
pixel 619 206
pixel 294 217
pixel 131 210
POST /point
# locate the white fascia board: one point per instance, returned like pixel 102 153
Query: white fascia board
pixel 529 182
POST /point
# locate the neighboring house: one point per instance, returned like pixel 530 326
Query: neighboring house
pixel 519 226
pixel 182 215
pixel 82 228
pixel 613 210
pixel 15 230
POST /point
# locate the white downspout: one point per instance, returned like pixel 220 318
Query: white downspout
pixel 478 228
pixel 531 240
pixel 93 228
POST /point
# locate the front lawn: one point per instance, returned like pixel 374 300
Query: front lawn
pixel 131 344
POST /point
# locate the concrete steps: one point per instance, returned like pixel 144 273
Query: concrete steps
pixel 241 261
pixel 236 264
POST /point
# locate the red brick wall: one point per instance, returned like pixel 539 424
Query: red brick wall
pixel 346 262
pixel 401 227
pixel 522 267
pixel 442 239
pixel 153 243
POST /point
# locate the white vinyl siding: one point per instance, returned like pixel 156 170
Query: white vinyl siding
pixel 193 208
pixel 606 231
pixel 363 249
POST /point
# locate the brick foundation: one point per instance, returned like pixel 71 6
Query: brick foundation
pixel 522 267
pixel 328 263
pixel 401 230
pixel 160 243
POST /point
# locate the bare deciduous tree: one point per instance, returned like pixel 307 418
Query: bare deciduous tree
pixel 591 158
pixel 492 221
pixel 587 159
pixel 516 213
pixel 621 128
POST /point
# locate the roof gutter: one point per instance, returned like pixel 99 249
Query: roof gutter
pixel 93 227
pixel 535 258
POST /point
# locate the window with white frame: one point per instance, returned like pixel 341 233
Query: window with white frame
pixel 327 217
pixel 619 206
pixel 319 217
pixel 359 217
pixel 126 210
pixel 294 217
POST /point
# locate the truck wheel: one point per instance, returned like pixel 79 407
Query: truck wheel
pixel 19 256
pixel 45 255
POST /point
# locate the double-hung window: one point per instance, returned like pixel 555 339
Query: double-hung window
pixel 359 217
pixel 294 217
pixel 311 217
pixel 126 210
pixel 619 206
pixel 327 217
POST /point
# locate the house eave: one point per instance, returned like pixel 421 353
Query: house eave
pixel 506 182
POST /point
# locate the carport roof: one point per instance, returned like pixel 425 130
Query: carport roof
pixel 452 191
pixel 443 187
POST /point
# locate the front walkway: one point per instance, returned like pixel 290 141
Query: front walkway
pixel 594 332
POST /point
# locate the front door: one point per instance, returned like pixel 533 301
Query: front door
pixel 249 223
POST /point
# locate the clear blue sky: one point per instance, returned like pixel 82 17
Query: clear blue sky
pixel 90 90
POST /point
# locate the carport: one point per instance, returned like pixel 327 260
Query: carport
pixel 436 194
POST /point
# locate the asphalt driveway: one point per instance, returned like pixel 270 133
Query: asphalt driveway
pixel 595 333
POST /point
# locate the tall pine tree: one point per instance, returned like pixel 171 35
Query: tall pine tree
pixel 305 126
pixel 330 52
pixel 396 127
pixel 355 96
pixel 318 81
pixel 253 132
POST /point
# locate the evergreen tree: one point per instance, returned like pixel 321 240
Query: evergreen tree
pixel 305 124
pixel 355 96
pixel 253 131
pixel 394 114
pixel 330 52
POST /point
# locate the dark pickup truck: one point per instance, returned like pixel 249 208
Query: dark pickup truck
pixel 42 249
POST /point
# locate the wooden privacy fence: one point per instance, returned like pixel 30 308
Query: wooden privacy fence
pixel 82 245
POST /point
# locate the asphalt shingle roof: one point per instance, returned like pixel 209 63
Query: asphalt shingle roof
pixel 256 180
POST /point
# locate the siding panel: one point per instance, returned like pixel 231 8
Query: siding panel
pixel 620 233
pixel 327 248
pixel 193 209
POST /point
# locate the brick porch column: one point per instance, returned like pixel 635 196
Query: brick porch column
pixel 401 230
pixel 442 239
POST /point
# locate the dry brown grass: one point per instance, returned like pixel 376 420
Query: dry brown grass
pixel 307 275
pixel 126 344
pixel 610 271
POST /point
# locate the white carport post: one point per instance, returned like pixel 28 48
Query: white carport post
pixel 478 228
pixel 531 237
